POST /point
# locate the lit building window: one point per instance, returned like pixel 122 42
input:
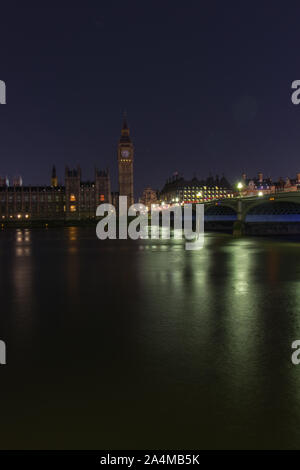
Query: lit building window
pixel 73 208
pixel 72 197
pixel 102 198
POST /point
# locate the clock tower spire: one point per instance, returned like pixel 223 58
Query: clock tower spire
pixel 125 163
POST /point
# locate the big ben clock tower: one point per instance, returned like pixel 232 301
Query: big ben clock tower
pixel 125 163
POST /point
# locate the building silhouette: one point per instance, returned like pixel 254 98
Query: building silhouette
pixel 75 199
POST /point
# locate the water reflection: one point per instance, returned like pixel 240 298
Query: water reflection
pixel 23 242
pixel 72 234
pixel 22 284
pixel 73 261
pixel 199 340
pixel 219 311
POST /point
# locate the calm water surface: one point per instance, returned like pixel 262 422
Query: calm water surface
pixel 124 344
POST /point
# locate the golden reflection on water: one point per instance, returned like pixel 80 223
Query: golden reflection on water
pixel 73 260
pixel 22 283
pixel 72 234
pixel 23 242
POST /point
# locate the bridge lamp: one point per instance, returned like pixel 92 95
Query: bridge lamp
pixel 260 194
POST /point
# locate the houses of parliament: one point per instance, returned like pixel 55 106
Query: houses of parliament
pixel 75 199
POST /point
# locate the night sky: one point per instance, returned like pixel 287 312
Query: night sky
pixel 206 87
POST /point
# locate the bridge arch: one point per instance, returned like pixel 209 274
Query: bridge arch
pixel 219 212
pixel 272 207
pixel 272 210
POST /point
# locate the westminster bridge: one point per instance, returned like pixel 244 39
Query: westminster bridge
pixel 275 213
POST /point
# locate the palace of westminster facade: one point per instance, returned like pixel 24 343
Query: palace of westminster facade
pixel 76 199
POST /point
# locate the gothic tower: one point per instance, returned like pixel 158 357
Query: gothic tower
pixel 54 181
pixel 73 199
pixel 102 187
pixel 125 163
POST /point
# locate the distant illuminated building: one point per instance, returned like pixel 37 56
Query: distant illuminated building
pixel 179 190
pixel 259 185
pixel 149 197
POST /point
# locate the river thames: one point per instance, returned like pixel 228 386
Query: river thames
pixel 144 345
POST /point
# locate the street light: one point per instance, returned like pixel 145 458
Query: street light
pixel 260 194
pixel 240 187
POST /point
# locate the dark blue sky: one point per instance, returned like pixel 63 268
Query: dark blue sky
pixel 206 86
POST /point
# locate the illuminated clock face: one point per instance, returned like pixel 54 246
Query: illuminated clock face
pixel 125 153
